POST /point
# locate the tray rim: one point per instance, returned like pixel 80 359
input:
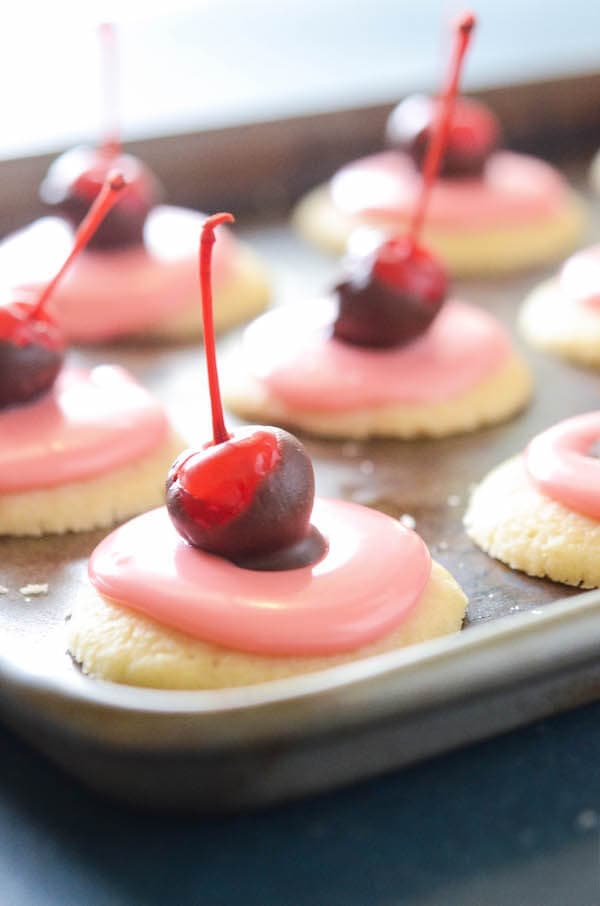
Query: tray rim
pixel 235 166
pixel 490 656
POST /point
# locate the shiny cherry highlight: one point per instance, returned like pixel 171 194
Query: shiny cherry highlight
pixel 31 344
pixel 247 496
pixel 31 352
pixel 392 294
pixel 75 178
pixel 248 499
pixel 474 133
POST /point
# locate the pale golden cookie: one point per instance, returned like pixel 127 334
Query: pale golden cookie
pixel 509 518
pixel 93 503
pixel 496 398
pixel 550 322
pixel 117 644
pixel 477 252
pixel 242 297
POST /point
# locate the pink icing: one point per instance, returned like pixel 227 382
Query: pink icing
pixel 89 423
pixel 108 293
pixel 291 352
pixel 579 279
pixel 515 188
pixel 559 464
pixel 372 576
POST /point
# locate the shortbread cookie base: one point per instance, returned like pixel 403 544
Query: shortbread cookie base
pixel 93 503
pixel 509 518
pixel 494 399
pixel 117 644
pixel 242 297
pixel 569 330
pixel 467 253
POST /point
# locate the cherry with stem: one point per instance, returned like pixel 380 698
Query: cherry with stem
pixel 247 495
pixel 31 343
pixel 441 128
pixel 76 177
pixel 473 132
pixel 395 292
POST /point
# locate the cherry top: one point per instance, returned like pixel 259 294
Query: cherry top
pixel 467 130
pixel 474 134
pixel 75 178
pixel 394 292
pixel 31 344
pixel 247 495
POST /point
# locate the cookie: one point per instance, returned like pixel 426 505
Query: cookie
pixel 562 315
pixel 113 643
pixel 91 450
pixel 94 503
pixel 496 398
pixel 492 250
pixel 512 521
pixel 243 296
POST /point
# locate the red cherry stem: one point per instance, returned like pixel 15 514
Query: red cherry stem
pixel 111 141
pixel 106 198
pixel 207 240
pixel 437 144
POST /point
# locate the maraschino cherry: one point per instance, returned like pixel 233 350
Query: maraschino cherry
pixel 246 496
pixel 394 291
pixel 76 177
pixel 473 132
pixel 31 345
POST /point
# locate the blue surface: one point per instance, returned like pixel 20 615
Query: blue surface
pixel 512 821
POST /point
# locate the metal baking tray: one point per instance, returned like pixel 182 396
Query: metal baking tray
pixel 528 648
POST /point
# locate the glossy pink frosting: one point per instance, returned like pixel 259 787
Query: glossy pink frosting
pixel 559 464
pixel 579 279
pixel 89 423
pixel 370 579
pixel 514 189
pixel 110 293
pixel 291 352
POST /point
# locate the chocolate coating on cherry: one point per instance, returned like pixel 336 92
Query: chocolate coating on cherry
pixel 474 133
pixel 75 179
pixel 31 344
pixel 31 353
pixel 394 293
pixel 391 295
pixel 249 499
pixel 246 496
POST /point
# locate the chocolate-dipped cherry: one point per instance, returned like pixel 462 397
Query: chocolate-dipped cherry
pixel 246 496
pixel 392 293
pixel 474 133
pixel 31 345
pixel 75 178
pixel 473 130
pixel 31 351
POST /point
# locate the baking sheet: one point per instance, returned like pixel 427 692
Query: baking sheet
pixel 149 746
